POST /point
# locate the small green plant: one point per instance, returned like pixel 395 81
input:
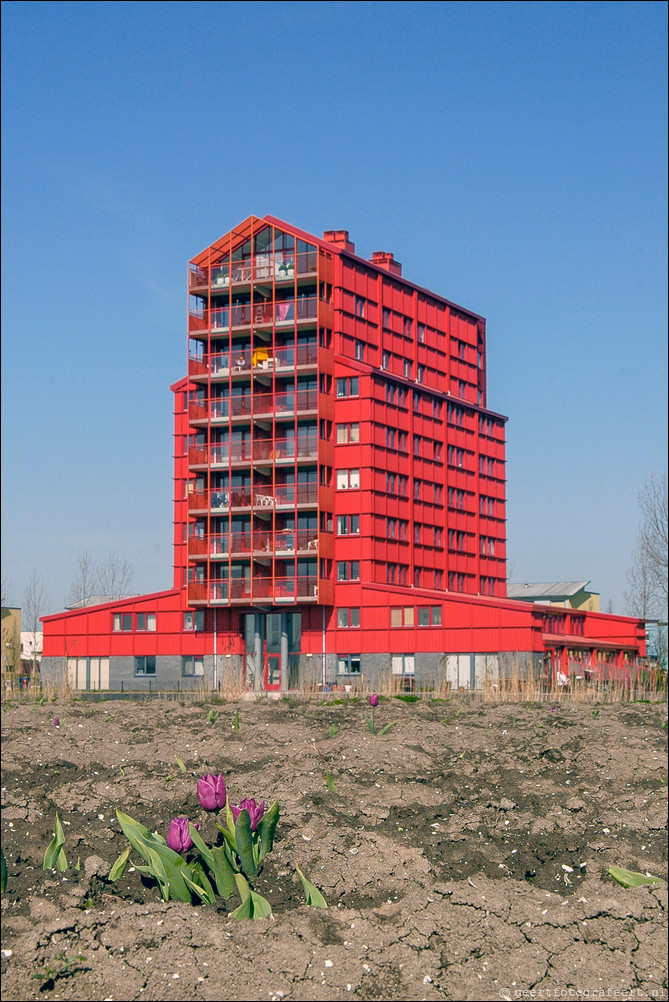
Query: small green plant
pixel 182 765
pixel 54 857
pixel 333 730
pixel 312 894
pixel 42 700
pixel 329 782
pixel 631 878
pixel 595 713
pixel 65 968
pixel 371 726
pixel 213 716
pixel 235 722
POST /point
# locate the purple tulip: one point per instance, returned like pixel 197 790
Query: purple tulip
pixel 211 791
pixel 256 811
pixel 56 722
pixel 178 837
pixel 374 700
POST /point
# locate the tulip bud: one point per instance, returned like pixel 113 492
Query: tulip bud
pixel 178 837
pixel 56 722
pixel 256 811
pixel 374 700
pixel 211 791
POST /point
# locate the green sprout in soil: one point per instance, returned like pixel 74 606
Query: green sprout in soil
pixel 235 722
pixel 67 967
pixel 213 716
pixel 631 878
pixel 333 730
pixel 54 857
pixel 329 782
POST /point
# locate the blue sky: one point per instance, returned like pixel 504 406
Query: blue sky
pixel 511 155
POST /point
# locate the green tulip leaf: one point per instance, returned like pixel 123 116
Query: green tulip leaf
pixel 54 857
pixel 223 873
pixel 182 765
pixel 311 893
pixel 267 829
pixel 329 782
pixel 244 840
pixel 630 878
pixel 119 866
pixel 386 728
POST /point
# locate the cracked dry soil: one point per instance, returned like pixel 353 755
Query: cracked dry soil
pixel 462 856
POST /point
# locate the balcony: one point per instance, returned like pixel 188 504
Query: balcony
pixel 282 543
pixel 303 588
pixel 262 268
pixel 280 314
pixel 280 496
pixel 251 406
pixel 246 360
pixel 266 451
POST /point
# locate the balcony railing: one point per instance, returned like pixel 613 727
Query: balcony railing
pixel 283 543
pixel 303 586
pixel 280 313
pixel 267 497
pixel 248 406
pixel 220 366
pixel 264 450
pixel 277 267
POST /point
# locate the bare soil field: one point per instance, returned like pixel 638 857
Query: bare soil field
pixel 463 854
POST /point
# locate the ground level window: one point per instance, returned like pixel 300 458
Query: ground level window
pixel 403 664
pixel 348 664
pixel 191 665
pixel 145 665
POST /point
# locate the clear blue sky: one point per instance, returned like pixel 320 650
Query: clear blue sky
pixel 511 155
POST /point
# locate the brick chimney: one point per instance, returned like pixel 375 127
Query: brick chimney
pixel 340 239
pixel 384 259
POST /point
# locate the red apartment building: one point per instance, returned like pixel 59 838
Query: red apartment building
pixel 339 493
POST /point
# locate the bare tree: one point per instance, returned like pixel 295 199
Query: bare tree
pixel 647 577
pixel 84 585
pixel 35 602
pixel 114 577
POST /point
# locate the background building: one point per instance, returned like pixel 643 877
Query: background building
pixel 339 492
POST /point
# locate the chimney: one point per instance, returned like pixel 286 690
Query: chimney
pixel 384 259
pixel 340 239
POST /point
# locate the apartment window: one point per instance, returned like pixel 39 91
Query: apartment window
pixel 404 528
pixel 437 452
pixel 386 318
pixel 456 582
pixel 348 664
pixel 456 415
pixel 418 577
pixel 417 486
pixel 146 622
pixel 348 433
pixel 194 620
pixel 420 373
pixel 391 573
pixel 407 326
pixel 439 581
pixel 348 480
pixel 359 306
pixel 391 438
pixel 348 570
pixel 417 443
pixel 403 439
pixel 436 409
pixel 360 351
pixel 438 536
pixel 407 369
pixel 391 528
pixel 391 393
pixel 417 532
pixel 402 617
pixel 385 360
pixel 438 494
pixel 404 664
pixel 347 387
pixel 391 483
pixel 348 525
pixel 192 666
pixel 421 333
pixel 145 665
pixel 348 618
pixel 122 622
